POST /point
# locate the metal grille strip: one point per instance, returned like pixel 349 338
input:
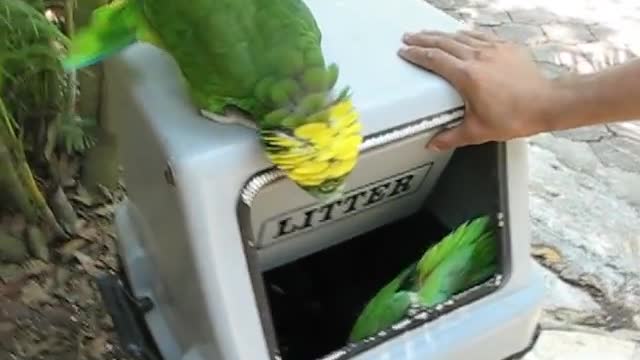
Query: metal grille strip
pixel 257 182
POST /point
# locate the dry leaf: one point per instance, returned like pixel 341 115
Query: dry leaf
pixel 547 254
pixel 106 193
pixel 68 250
pixel 84 292
pixel 83 197
pixel 10 272
pixel 87 263
pixel 34 294
pixel 105 210
pixel 58 316
pixel 98 346
pixel 88 232
pixel 62 276
pixel 37 267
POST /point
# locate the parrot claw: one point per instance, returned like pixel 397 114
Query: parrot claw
pixel 230 117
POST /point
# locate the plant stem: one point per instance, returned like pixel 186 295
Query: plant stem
pixel 17 178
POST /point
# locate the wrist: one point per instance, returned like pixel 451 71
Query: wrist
pixel 559 104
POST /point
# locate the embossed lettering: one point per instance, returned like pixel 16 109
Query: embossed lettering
pixel 403 184
pixel 354 200
pixel 285 227
pixel 377 194
pixel 370 196
pixel 328 214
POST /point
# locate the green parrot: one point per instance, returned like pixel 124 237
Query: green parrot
pixel 464 258
pixel 258 63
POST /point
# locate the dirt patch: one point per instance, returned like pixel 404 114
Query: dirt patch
pixel 52 309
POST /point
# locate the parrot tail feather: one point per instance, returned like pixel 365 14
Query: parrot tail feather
pixel 112 27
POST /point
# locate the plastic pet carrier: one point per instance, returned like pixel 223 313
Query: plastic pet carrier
pixel 223 258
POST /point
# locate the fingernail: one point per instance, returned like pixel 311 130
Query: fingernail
pixel 403 50
pixel 408 35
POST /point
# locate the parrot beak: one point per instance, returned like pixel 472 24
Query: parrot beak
pixel 325 197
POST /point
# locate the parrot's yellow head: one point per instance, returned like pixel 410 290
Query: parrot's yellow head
pixel 318 155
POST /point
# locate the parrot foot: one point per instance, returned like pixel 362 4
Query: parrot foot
pixel 230 117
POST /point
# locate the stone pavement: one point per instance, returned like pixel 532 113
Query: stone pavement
pixel 584 183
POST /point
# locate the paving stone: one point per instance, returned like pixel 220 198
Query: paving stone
pixel 565 296
pixel 486 29
pixel 628 129
pixel 587 211
pixel 567 345
pixel 568 33
pixel 521 33
pixel 556 53
pixel 586 133
pixel 620 152
pixel 604 54
pixel 601 31
pixel 567 304
pixel 483 16
pixel 551 70
pixel 534 16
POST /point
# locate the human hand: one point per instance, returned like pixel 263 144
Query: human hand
pixel 503 90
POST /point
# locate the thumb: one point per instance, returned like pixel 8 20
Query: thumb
pixel 450 138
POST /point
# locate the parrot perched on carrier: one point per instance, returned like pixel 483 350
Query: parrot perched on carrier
pixel 258 63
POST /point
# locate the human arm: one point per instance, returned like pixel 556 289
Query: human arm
pixel 507 96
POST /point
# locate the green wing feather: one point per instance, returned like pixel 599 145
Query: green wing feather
pixel 385 308
pixel 463 258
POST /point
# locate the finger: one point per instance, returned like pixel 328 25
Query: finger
pixel 438 61
pixel 451 138
pixel 480 36
pixel 445 42
pixel 470 41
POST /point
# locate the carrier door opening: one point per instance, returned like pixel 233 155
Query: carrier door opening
pixel 315 301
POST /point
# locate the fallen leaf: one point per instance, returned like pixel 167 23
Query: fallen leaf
pixel 105 210
pixel 88 232
pixel 83 197
pixel 548 254
pixel 34 294
pixel 58 316
pixel 37 242
pixel 98 346
pixel 10 272
pixel 37 267
pixel 62 276
pixel 106 193
pixel 68 250
pixel 87 263
pixel 84 292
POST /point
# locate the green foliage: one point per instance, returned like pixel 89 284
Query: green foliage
pixel 76 134
pixel 35 88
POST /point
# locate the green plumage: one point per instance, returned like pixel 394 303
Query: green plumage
pixel 464 258
pixel 262 57
pixel 258 55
